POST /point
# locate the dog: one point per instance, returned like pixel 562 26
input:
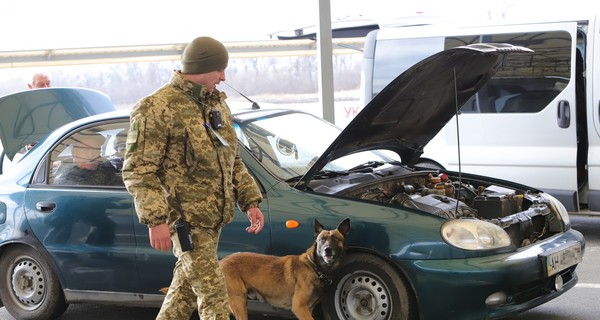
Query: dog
pixel 292 282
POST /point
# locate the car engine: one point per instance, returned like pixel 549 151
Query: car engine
pixel 526 216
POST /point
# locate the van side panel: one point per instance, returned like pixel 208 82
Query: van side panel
pixel 523 125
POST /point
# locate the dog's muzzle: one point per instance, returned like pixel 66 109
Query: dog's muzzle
pixel 329 255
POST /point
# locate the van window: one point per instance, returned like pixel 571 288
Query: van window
pixel 524 83
pixel 392 57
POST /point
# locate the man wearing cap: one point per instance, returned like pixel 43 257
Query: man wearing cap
pixel 182 161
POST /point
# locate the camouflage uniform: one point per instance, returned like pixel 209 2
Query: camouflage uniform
pixel 172 151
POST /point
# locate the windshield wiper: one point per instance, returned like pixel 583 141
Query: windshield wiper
pixel 364 168
pixel 367 165
pixel 323 174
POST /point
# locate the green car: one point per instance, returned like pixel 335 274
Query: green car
pixel 425 243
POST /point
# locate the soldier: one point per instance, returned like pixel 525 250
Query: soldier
pixel 40 80
pixel 88 167
pixel 182 161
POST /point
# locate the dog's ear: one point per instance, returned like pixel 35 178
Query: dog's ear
pixel 318 227
pixel 344 227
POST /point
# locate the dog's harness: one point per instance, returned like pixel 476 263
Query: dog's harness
pixel 324 278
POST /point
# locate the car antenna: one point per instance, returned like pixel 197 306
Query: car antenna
pixel 457 192
pixel 255 105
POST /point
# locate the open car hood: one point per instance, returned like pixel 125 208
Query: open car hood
pixel 416 105
pixel 29 116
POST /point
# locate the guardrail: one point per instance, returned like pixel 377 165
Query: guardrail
pixel 168 52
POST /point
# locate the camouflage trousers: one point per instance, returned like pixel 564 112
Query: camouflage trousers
pixel 197 281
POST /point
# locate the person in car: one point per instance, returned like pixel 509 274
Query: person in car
pixel 182 161
pixel 87 167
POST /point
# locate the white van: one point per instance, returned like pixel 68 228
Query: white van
pixel 537 122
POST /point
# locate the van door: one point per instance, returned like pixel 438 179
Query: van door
pixel 522 125
pixel 593 117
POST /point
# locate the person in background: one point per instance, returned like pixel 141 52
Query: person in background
pixel 40 80
pixel 182 162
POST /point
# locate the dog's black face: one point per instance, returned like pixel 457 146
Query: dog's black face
pixel 330 243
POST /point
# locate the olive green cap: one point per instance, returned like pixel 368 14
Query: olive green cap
pixel 203 55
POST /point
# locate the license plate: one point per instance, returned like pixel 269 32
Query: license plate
pixel 559 259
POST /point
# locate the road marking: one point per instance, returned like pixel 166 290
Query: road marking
pixel 588 285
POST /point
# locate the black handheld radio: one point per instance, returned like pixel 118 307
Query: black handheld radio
pixel 182 227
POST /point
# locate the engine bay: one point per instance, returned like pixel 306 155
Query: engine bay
pixel 525 215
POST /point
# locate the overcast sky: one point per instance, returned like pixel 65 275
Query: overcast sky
pixel 43 24
pixel 48 24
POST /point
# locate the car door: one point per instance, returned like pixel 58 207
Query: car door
pixel 85 224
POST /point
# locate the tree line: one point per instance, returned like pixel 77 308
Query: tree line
pixel 267 79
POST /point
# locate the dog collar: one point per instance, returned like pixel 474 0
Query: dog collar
pixel 324 278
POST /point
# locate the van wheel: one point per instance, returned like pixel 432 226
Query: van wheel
pixel 28 287
pixel 367 287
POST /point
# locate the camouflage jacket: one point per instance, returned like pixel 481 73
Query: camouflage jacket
pixel 172 153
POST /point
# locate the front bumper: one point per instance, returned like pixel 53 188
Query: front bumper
pixel 458 288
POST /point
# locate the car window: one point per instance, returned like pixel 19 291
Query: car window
pixel 90 157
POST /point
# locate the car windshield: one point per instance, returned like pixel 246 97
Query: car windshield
pixel 288 144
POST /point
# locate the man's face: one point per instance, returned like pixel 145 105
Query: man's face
pixel 40 81
pixel 210 79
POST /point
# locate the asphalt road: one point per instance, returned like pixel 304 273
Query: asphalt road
pixel 579 303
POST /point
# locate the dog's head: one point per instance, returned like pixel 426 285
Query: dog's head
pixel 330 244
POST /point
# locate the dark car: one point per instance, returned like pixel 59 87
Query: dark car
pixel 424 242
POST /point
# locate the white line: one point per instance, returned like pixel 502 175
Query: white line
pixel 588 285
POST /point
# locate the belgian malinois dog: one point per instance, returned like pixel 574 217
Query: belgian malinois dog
pixel 293 282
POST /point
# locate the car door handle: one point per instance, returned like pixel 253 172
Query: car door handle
pixel 45 206
pixel 564 114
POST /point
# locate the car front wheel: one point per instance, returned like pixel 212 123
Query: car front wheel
pixel 28 288
pixel 367 287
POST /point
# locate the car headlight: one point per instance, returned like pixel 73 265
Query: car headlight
pixel 471 234
pixel 558 207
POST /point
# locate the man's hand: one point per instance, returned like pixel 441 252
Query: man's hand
pixel 257 220
pixel 160 237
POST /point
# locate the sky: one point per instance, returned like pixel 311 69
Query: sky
pixel 43 24
pixel 61 24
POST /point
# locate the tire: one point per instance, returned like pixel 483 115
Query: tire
pixel 28 287
pixel 367 287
